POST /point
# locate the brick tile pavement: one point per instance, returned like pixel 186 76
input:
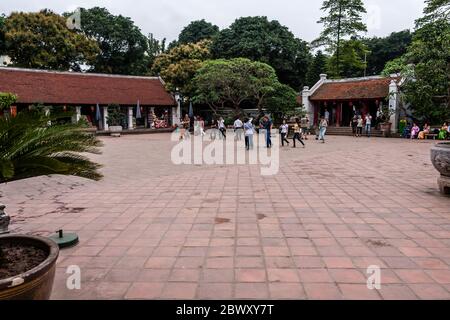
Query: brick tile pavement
pixel 153 230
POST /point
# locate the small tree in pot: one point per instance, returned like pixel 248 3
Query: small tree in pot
pixel 385 114
pixel 115 119
pixel 35 144
pixel 6 100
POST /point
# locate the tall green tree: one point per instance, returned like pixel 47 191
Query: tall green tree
pixel 317 67
pixel 259 39
pixel 228 83
pixel 343 20
pixel 197 31
pixel 426 66
pixel 178 66
pixel 429 88
pixel 352 57
pixel 122 44
pixel 386 49
pixel 42 40
pixel 2 34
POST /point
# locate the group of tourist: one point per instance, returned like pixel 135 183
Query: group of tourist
pixel 246 128
pixel 415 132
pixel 358 123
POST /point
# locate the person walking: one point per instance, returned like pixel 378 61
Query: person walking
pixel 202 126
pixel 359 126
pixel 323 125
pixel 368 125
pixel 249 131
pixel 238 129
pixel 354 125
pixel 222 129
pixel 187 126
pixel 284 130
pixel 267 126
pixel 305 126
pixel 298 133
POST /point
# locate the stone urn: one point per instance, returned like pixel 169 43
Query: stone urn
pixel 386 129
pixel 115 131
pixel 440 157
pixel 27 278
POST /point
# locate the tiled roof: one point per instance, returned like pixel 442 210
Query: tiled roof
pixel 38 86
pixel 364 88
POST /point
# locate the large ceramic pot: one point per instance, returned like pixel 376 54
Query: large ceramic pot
pixel 115 131
pixel 34 284
pixel 386 129
pixel 440 157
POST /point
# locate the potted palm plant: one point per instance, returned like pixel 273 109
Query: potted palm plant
pixel 115 119
pixel 35 144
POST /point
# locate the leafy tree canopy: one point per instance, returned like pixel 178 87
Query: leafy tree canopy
pixel 6 100
pixel 426 68
pixel 429 88
pixel 352 60
pixel 259 39
pixel 197 31
pixel 228 83
pixel 317 67
pixel 282 101
pixel 42 40
pixel 178 66
pixel 122 44
pixel 386 49
pixel 435 10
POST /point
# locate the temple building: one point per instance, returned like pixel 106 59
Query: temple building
pixel 91 94
pixel 345 98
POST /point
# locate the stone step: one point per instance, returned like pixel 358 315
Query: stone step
pixel 347 131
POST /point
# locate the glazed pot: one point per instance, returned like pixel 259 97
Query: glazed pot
pixel 440 157
pixel 34 284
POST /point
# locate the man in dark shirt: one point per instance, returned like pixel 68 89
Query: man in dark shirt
pixel 267 126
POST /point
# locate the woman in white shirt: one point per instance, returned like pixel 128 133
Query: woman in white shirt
pixel 284 129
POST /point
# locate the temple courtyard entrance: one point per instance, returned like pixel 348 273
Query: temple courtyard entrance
pixel 153 230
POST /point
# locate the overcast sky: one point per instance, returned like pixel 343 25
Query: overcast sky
pixel 166 18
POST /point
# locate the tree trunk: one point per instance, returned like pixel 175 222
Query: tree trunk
pixel 338 42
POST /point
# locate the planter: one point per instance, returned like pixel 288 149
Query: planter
pixel 115 131
pixel 386 129
pixel 37 282
pixel 440 157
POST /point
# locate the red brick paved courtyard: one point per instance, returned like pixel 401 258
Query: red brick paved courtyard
pixel 153 230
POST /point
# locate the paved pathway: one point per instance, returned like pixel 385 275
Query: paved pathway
pixel 152 230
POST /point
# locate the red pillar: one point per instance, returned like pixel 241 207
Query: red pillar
pixel 338 114
pixel 316 113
